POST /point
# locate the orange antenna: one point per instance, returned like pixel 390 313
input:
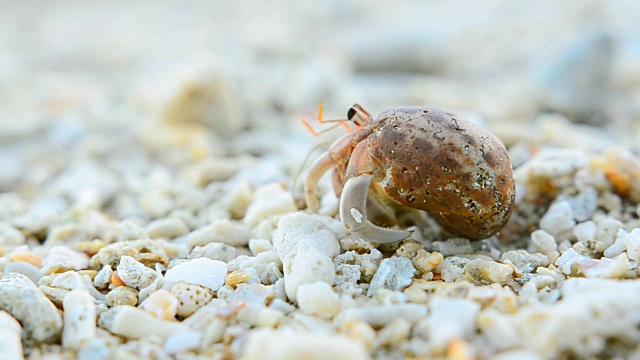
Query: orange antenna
pixel 320 113
pixel 342 122
pixel 309 128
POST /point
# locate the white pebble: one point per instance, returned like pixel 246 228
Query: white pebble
pixel 207 321
pixel 394 273
pixel 518 354
pixel 230 232
pixel 9 235
pixel 236 198
pixel 306 245
pixel 558 218
pixel 133 323
pixel 395 333
pixel 498 329
pixel 606 232
pixel 632 241
pixel 256 294
pixel 214 251
pixel 308 266
pixel 259 245
pixel 543 242
pixel 621 244
pixel 134 274
pixel 361 332
pixel 122 295
pixel 304 230
pixel 61 259
pixel 604 268
pixel 451 319
pixel 381 315
pixel 168 228
pixel 318 299
pixel 103 277
pixel 24 268
pixel 156 203
pixel 585 232
pixel 452 268
pixel 87 183
pixel 10 337
pixel 79 319
pixel 202 271
pixel 567 259
pixel 161 304
pixel 282 306
pixel 268 200
pixel 69 280
pixel 181 342
pixel 190 297
pixel 266 344
pixel 488 271
pixel 26 303
pixel 260 316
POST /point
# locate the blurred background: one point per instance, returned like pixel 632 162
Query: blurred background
pixel 216 89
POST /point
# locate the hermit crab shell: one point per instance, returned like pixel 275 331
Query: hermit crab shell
pixel 443 164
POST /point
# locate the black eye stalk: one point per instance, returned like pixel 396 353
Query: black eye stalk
pixel 351 113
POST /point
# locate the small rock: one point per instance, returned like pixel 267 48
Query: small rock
pixel 524 261
pixel 268 200
pixel 202 271
pixel 278 344
pixel 256 294
pixel 306 245
pixel 9 235
pixel 380 315
pixel 161 304
pixel 488 271
pixel 168 228
pixel 214 251
pixel 454 246
pixel 424 262
pixel 545 243
pixel 134 274
pixel 134 323
pixel 318 299
pixel 585 232
pixel 10 337
pixel 26 303
pixel 230 232
pixel 558 218
pixel 259 245
pixel 451 319
pixel 452 268
pixel 190 297
pixel 79 319
pixel 629 241
pixel 395 273
pixel 122 295
pixel 61 259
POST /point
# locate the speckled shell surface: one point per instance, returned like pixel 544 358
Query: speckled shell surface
pixel 447 166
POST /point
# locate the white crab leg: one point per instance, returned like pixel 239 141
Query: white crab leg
pixel 353 205
pixel 323 164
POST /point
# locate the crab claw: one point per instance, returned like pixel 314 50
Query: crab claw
pixel 353 204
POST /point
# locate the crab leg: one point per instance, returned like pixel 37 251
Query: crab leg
pixel 318 168
pixel 353 205
pixel 337 155
pixel 361 170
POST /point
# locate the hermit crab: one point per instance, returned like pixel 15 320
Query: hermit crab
pixel 423 158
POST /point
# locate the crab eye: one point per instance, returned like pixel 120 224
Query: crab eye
pixel 351 113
